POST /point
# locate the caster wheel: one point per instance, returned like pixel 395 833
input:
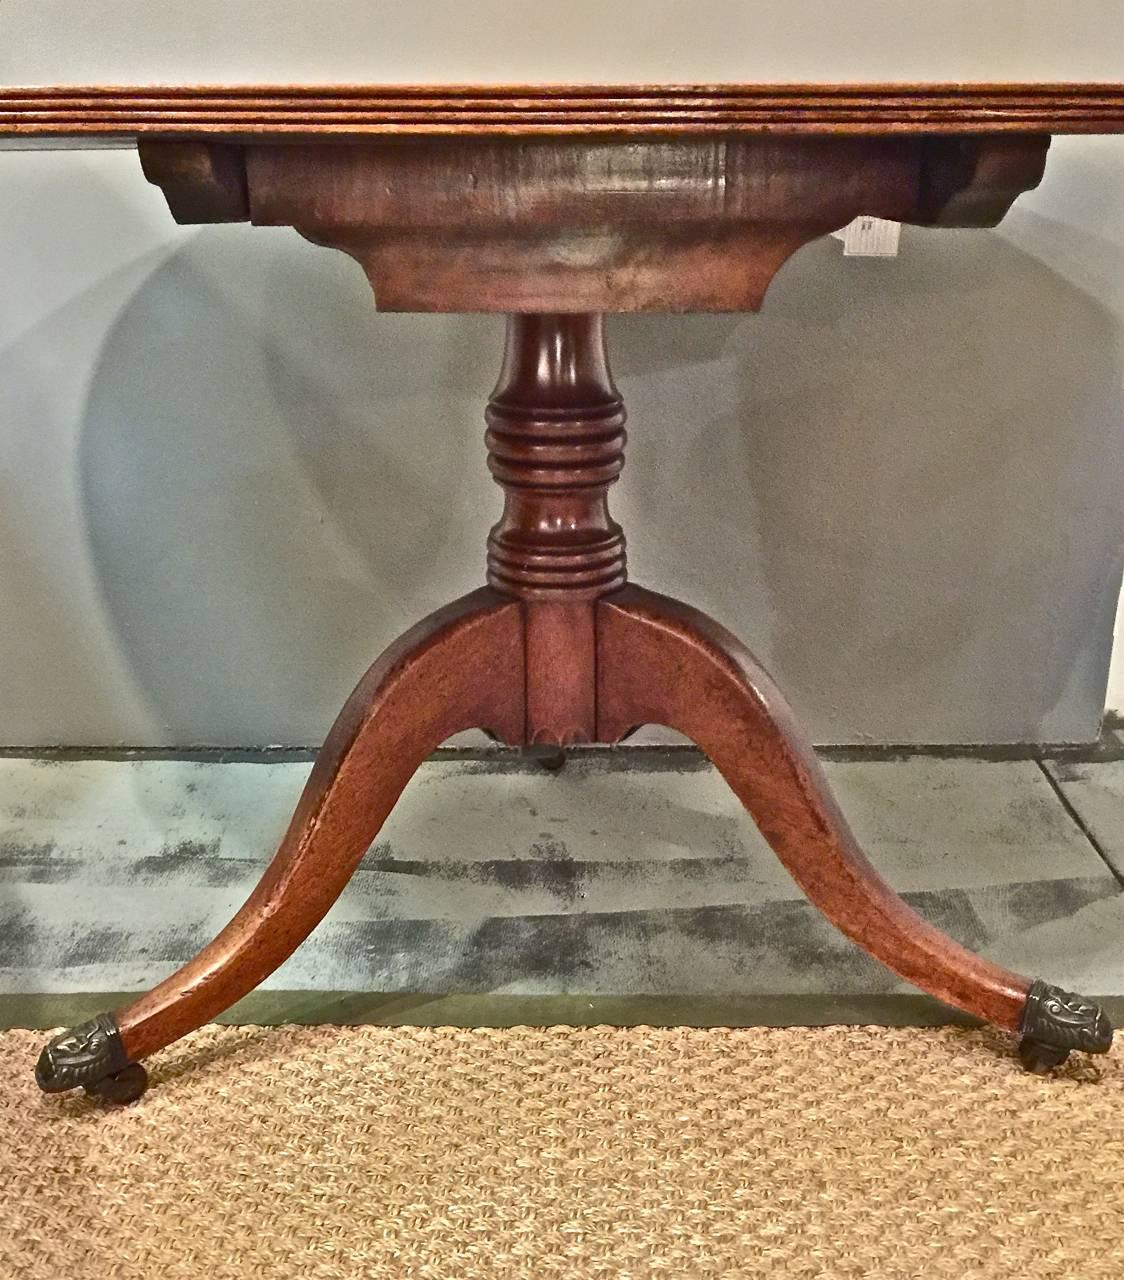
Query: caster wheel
pixel 1039 1058
pixel 123 1086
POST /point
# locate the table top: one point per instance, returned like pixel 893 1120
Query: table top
pixel 124 69
pixel 88 115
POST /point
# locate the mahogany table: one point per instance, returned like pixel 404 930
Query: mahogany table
pixel 557 205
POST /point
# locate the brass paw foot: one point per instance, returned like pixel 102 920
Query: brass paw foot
pixel 91 1057
pixel 1055 1022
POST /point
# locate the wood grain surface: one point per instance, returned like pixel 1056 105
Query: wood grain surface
pixel 304 111
pixel 661 662
pixel 459 668
pixel 559 649
pixel 547 226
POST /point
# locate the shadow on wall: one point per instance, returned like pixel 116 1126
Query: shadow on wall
pixel 275 482
pixel 899 484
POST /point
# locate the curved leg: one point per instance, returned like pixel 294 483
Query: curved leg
pixel 662 662
pixel 460 668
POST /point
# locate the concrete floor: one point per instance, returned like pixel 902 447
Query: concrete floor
pixel 630 887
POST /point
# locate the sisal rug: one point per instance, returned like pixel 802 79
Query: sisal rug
pixel 569 1152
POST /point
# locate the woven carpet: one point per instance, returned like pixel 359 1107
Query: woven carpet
pixel 569 1152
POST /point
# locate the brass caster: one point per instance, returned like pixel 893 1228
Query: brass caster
pixel 1038 1058
pixel 86 1056
pixel 1054 1022
pixel 121 1087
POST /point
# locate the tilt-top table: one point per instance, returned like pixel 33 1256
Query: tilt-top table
pixel 557 204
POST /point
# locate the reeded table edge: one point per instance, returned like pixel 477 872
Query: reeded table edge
pixel 355 111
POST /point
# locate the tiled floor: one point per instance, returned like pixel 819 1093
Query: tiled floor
pixel 629 887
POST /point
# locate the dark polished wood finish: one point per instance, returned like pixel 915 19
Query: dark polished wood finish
pixel 555 444
pixel 559 648
pixel 460 668
pixel 695 224
pixel 662 662
pixel 302 111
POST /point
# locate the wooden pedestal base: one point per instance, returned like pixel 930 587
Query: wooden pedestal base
pixel 559 649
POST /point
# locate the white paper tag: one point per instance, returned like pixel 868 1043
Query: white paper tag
pixel 868 237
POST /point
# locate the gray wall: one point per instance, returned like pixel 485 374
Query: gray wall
pixel 227 482
pixel 585 41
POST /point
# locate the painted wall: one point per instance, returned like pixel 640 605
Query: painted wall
pixel 226 482
pixel 589 41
